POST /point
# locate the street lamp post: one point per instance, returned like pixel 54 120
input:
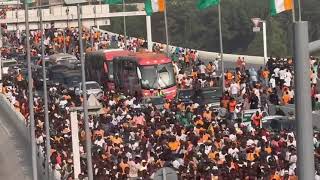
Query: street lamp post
pixel 124 23
pixel 45 98
pixel 1 59
pixel 84 89
pixel 85 103
pixel 256 28
pixel 149 33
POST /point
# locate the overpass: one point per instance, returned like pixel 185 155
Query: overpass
pixel 97 15
pixel 63 16
pixel 14 146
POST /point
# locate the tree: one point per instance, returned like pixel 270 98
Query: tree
pixel 191 28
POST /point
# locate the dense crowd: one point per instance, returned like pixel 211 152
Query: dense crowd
pixel 132 141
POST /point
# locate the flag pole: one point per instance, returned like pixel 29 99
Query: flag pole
pixel 166 27
pixel 124 23
pixel 293 12
pixel 221 48
pixel 299 9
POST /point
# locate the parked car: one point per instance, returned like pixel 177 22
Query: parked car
pixel 38 77
pixel 156 101
pixel 185 96
pixel 72 79
pixel 208 96
pixel 92 88
pixel 6 63
pixel 278 123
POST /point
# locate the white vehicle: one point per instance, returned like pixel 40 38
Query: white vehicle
pixel 92 88
pixel 6 63
pixel 63 58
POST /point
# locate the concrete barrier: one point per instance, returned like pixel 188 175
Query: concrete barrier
pixel 206 55
pixel 19 123
pixel 291 109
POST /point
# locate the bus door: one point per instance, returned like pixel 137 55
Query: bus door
pixel 130 80
pixel 117 72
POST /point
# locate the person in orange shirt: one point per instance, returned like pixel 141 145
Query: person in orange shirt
pixel 174 144
pixel 265 76
pixel 204 137
pixel 286 98
pixel 124 164
pixel 275 176
pixel 166 105
pixel 256 119
pixel 194 73
pixel 116 139
pixel 229 77
pixel 209 68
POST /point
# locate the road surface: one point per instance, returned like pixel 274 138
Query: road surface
pixel 15 161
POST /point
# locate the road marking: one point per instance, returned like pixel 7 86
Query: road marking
pixel 5 128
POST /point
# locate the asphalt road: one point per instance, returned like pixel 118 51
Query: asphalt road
pixel 15 162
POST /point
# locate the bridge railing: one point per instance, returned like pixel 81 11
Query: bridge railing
pixel 19 122
pixel 206 55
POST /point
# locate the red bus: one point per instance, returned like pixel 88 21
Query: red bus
pixel 99 66
pixel 145 73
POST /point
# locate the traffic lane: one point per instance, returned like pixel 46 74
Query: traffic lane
pixel 14 151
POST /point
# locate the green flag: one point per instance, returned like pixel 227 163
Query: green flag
pixel 203 4
pixel 112 1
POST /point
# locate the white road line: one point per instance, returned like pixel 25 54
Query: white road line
pixel 5 128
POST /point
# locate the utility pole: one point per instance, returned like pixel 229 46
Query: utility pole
pixel 221 48
pixel 30 88
pixel 85 100
pixel 303 101
pixel 149 33
pixel 166 28
pixel 124 23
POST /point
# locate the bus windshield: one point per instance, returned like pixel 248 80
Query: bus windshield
pixel 157 76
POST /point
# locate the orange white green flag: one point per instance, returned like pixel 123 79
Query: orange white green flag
pixel 278 6
pixel 152 6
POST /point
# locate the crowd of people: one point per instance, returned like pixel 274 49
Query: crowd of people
pixel 133 141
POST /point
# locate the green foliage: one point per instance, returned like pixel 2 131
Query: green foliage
pixel 189 27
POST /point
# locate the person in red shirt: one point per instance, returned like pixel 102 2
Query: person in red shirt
pixel 232 107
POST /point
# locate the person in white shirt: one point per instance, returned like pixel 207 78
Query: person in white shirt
pixel 234 89
pixel 276 72
pixel 233 151
pixel 202 68
pixel 276 75
pixel 287 81
pixel 282 75
pixel 216 64
pixel 272 82
pixel 188 82
pixel 99 141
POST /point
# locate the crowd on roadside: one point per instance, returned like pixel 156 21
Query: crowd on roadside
pixel 134 142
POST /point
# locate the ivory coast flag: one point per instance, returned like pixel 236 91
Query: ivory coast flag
pixel 152 6
pixel 278 6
